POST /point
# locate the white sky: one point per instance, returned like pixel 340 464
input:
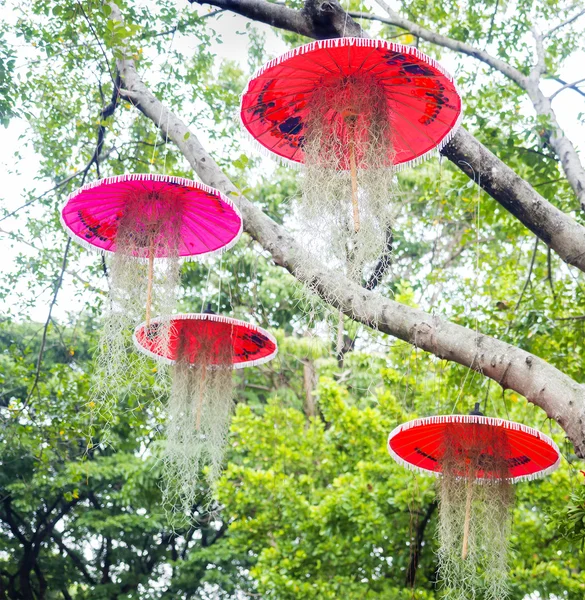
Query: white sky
pixel 22 174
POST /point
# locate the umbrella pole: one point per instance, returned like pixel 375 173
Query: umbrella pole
pixel 150 280
pixel 200 403
pixel 351 121
pixel 464 549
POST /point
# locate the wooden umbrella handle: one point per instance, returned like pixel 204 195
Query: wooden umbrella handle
pixel 150 282
pixel 351 122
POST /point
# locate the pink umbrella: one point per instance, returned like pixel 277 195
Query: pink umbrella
pixel 209 221
pixel 156 216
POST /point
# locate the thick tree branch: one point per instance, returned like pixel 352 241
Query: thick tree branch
pixel 556 393
pixel 9 518
pixel 318 19
pixel 554 227
pixel 73 556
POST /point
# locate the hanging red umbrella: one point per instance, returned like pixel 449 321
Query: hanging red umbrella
pixel 420 97
pixel 351 110
pixel 193 334
pixel 477 458
pixel 419 445
pixel 203 349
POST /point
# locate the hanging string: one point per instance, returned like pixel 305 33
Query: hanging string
pixel 204 292
pixel 157 126
pixel 477 220
pixel 346 17
pixel 220 279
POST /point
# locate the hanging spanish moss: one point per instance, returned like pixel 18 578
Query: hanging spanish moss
pixel 347 190
pixel 475 502
pixel 144 276
pixel 199 412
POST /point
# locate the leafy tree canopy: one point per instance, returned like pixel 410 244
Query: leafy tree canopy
pixel 310 505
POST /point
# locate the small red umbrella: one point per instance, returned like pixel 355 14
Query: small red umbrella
pixel 193 334
pixel 203 349
pixel 422 101
pixel 420 444
pixel 477 458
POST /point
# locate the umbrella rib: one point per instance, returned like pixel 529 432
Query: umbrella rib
pixel 313 72
pixel 533 450
pixel 194 205
pixel 372 51
pixel 267 77
pixel 406 143
pixel 199 225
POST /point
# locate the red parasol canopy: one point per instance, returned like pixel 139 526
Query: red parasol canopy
pixel 209 221
pixel 418 445
pixel 423 103
pixel 251 345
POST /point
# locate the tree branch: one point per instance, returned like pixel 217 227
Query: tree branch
pixel 564 83
pixel 106 112
pixel 383 263
pixel 75 558
pixel 555 392
pixel 566 86
pixel 554 227
pixel 9 519
pixel 47 322
pixel 416 549
pixel 446 42
pixel 564 23
pixel 318 20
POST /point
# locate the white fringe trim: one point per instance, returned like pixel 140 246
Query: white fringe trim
pixel 351 41
pixel 207 317
pixel 153 177
pixel 475 419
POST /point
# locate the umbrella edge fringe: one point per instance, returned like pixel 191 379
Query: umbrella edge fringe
pixel 350 41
